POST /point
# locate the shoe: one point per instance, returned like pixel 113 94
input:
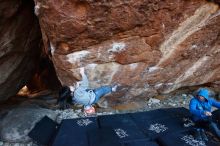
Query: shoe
pixel 197 135
pixel 114 88
pixel 89 111
pixel 204 137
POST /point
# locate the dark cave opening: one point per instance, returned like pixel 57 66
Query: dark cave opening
pixel 44 75
pixel 23 61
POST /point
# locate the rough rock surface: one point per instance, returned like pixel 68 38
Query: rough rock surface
pixel 19 45
pixel 26 118
pixel 147 46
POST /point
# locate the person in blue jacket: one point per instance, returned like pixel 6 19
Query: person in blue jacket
pixel 82 94
pixel 200 108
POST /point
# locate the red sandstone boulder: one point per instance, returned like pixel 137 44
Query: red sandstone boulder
pixel 147 46
pixel 19 45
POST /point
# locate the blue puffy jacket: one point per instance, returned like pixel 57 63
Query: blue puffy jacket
pixel 82 94
pixel 198 108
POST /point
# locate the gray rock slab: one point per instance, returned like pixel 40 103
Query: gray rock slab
pixel 16 125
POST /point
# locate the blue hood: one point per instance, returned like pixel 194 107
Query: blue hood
pixel 204 92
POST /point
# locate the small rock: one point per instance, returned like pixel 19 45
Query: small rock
pixel 153 101
pixel 172 104
pixel 184 95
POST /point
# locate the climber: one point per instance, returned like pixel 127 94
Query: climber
pixel 200 108
pixel 82 94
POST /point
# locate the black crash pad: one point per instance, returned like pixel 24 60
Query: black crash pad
pixel 131 133
pixel 182 115
pixel 134 129
pixel 141 143
pixel 183 138
pixel 44 131
pixel 116 120
pixel 155 128
pixel 73 132
pixel 150 115
pixel 179 112
pixel 103 137
pixel 124 127
pixel 116 137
